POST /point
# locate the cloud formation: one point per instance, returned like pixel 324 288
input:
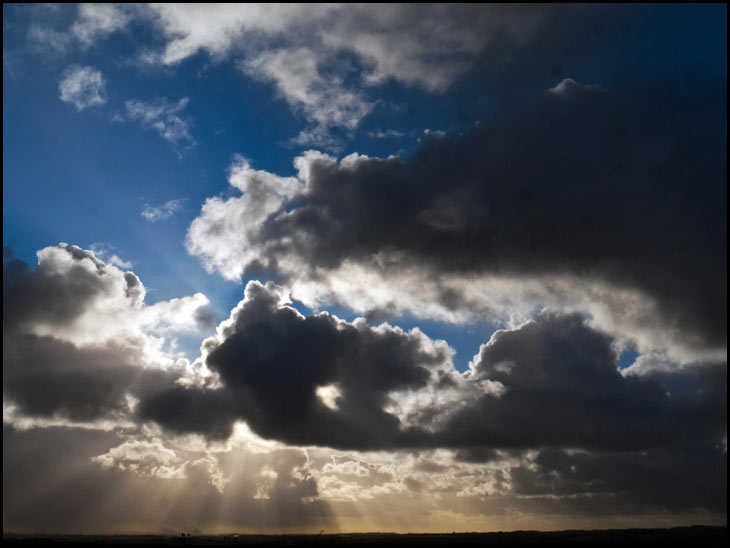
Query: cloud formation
pixel 582 191
pixel 83 87
pixel 553 381
pixel 266 354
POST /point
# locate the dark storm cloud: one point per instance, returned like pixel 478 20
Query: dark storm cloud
pixel 562 388
pixel 626 187
pixel 552 382
pixel 193 410
pixel 48 377
pixel 674 479
pixel 619 42
pixel 272 361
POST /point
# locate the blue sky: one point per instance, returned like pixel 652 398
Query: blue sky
pixel 482 173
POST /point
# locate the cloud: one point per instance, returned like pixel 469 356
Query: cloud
pixel 570 86
pixel 543 422
pixel 177 486
pixel 545 205
pixel 47 377
pixel 97 20
pixel 47 40
pixel 105 252
pixel 83 87
pixel 394 42
pixel 552 381
pixel 182 314
pixel 561 387
pixel 386 134
pixel 263 194
pixel 267 353
pixel 160 213
pixel 79 344
pixel 671 480
pixel 322 100
pixel 163 117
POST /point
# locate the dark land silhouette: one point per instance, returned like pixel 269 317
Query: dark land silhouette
pixel 679 536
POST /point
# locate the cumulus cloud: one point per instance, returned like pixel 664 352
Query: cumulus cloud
pixel 548 206
pixel 83 87
pixel 552 381
pixel 79 343
pixel 163 117
pixel 263 194
pixel 181 314
pixel 160 213
pixel 561 387
pixel 267 353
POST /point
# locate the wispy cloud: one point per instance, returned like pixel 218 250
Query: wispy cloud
pixel 386 134
pixel 160 213
pixel 83 87
pixel 108 253
pixel 164 117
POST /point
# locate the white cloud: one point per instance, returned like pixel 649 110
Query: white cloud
pixel 83 87
pixel 324 100
pixel 164 118
pixel 48 40
pixel 239 217
pixel 147 458
pixel 105 252
pixel 114 260
pixel 165 211
pixel 174 315
pixel 97 20
pixel 385 134
pixel 568 86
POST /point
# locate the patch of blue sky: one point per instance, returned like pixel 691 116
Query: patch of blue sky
pixel 627 357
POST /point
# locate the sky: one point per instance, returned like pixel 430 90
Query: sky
pixel 409 268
